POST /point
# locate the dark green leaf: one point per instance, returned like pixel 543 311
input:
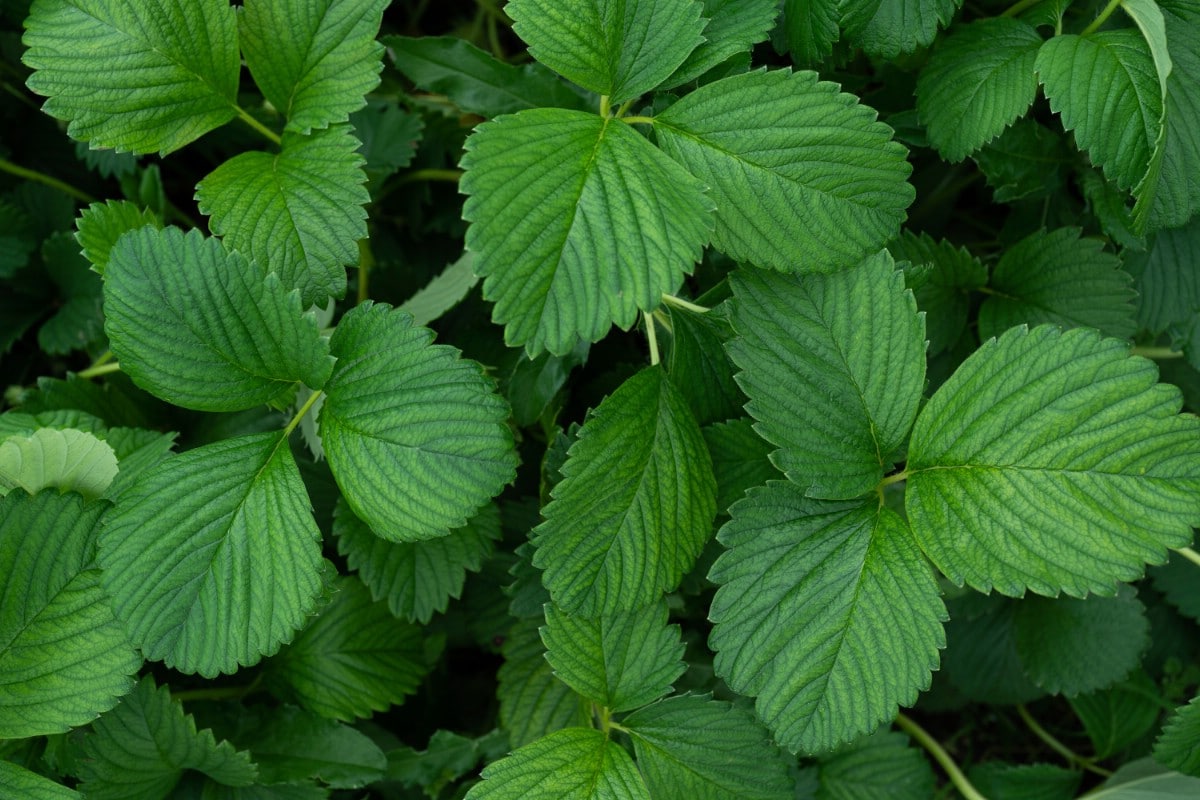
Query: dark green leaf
pixel 1026 161
pixel 699 367
pixel 1169 284
pixel 102 224
pixel 17 782
pixel 290 745
pixel 731 27
pixel 1176 746
pixel 1120 715
pixel 533 702
pixel 811 28
pixel 945 297
pixel 878 767
pixel 741 460
pixel 1024 781
pixel 889 28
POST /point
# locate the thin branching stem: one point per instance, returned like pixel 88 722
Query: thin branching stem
pixel 98 370
pixel 1054 744
pixel 45 180
pixel 1157 353
pixel 304 409
pixel 935 749
pixel 1018 7
pixel 679 302
pixel 1104 15
pixel 652 339
pixel 267 133
pixel 1190 554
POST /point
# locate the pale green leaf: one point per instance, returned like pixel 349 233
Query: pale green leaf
pixel 1145 780
pixel 977 82
pixel 572 764
pixel 1169 284
pixel 533 702
pixel 622 660
pixel 313 61
pixel 1177 194
pixel 417 579
pixel 170 71
pixel 67 460
pixel 694 748
pixel 618 549
pixel 618 48
pixel 143 746
pixel 889 28
pixel 827 613
pixel 731 27
pixel 1149 19
pixel 415 435
pixel 879 767
pixel 834 366
pixel 741 459
pixel 18 782
pixel 1025 781
pixel 352 659
pixel 1052 461
pixel 102 224
pixel 699 367
pixel 805 179
pixel 811 27
pixel 213 559
pixel 442 293
pixel 1120 715
pixel 577 223
pixel 946 296
pixel 63 658
pixel 1178 746
pixel 1059 278
pixel 204 328
pixel 298 212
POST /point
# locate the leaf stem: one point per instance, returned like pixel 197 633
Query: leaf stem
pixel 1054 744
pixel 1018 7
pixel 605 106
pixel 624 109
pixel 97 370
pixel 651 338
pixel 940 755
pixel 44 179
pixel 217 692
pixel 103 358
pixel 366 260
pixel 1159 353
pixel 1190 554
pixel 639 120
pixel 271 135
pixel 679 302
pixel 448 175
pixel 1100 20
pixel 902 475
pixel 304 409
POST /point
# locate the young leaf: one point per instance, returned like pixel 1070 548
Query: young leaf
pixel 619 549
pixel 571 764
pixel 19 782
pixel 67 460
pixel 177 77
pixel 978 80
pixel 805 179
pixel 213 559
pixel 889 28
pixel 619 49
pixel 533 702
pixel 102 224
pixel 1118 716
pixel 352 659
pixel 63 658
pixel 731 27
pixel 883 765
pixel 142 747
pixel 622 660
pixel 204 328
pixel 834 366
pixel 577 223
pixel 694 748
pixel 741 460
pixel 945 297
pixel 298 212
pixel 1052 461
pixel 844 627
pixel 1176 746
pixel 415 435
pixel 1059 278
pixel 313 61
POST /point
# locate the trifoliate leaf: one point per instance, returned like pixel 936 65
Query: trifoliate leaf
pixel 1024 781
pixel 474 80
pixel 416 579
pixel 298 212
pixel 979 79
pixel 621 548
pixel 142 747
pixel 886 29
pixel 1059 278
pixel 415 435
pixel 622 660
pixel 879 767
pixel 811 28
pixel 731 27
pixel 572 764
pixel 621 50
pixel 352 659
pixel 1026 161
pixel 805 179
pixel 174 74
pixel 699 367
pixel 845 627
pixel 577 223
pixel 17 781
pixel 1051 461
pixel 1177 193
pixel 78 321
pixel 1169 284
pixel 1118 716
pixel 981 661
pixel 1177 746
pixel 834 366
pixel 313 61
pixel 741 460
pixel 67 460
pixel 102 224
pixel 213 559
pixel 63 658
pixel 442 293
pixel 694 748
pixel 945 297
pixel 533 702
pixel 204 328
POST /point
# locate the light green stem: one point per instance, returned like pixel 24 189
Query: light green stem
pixel 447 175
pixel 1190 554
pixel 624 109
pixel 45 180
pixel 304 409
pixel 652 339
pixel 366 260
pixel 941 756
pixel 271 135
pixel 1157 353
pixel 98 370
pixel 890 479
pixel 639 120
pixel 1018 7
pixel 1054 744
pixel 605 106
pixel 1104 15
pixel 679 302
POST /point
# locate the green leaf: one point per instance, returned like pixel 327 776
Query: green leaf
pixel 622 660
pixel 1026 161
pixel 619 49
pixel 1149 19
pixel 946 296
pixel 577 223
pixel 805 179
pixel 142 747
pixel 571 764
pixel 474 80
pixel 313 61
pixel 353 658
pixel 445 759
pixel 731 27
pixel 298 212
pixel 878 767
pixel 811 28
pixel 694 748
pixel 741 460
pixel 834 366
pixel 417 579
pixel 78 321
pixel 19 782
pixel 210 790
pixel 1024 781
pixel 1051 461
pixel 981 660
pixel 1169 284
pixel 1177 193
pixel 213 559
pixel 618 549
pixel 177 77
pixel 17 241
pixel 63 658
pixel 533 702
pixel 1176 745
pixel 67 460
pixel 886 29
pixel 102 224
pixel 1177 581
pixel 137 451
pixel 415 435
pixel 699 367
pixel 1120 715
pixel 826 612
pixel 204 328
pixel 977 82
pixel 1111 208
pixel 442 293
pixel 1059 278
pixel 1145 780
pixel 389 137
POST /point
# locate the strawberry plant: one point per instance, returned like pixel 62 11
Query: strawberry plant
pixel 637 399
